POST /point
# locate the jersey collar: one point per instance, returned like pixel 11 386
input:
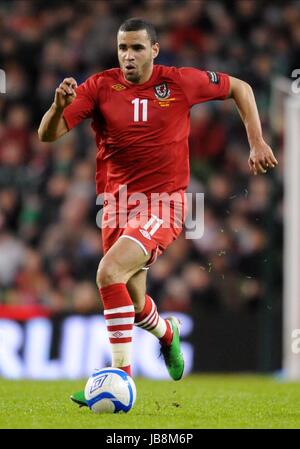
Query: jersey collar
pixel 146 84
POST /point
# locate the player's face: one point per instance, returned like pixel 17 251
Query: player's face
pixel 136 54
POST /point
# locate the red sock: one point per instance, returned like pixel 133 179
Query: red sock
pixel 127 369
pixel 119 317
pixel 150 320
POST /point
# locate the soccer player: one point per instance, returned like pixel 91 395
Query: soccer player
pixel 140 115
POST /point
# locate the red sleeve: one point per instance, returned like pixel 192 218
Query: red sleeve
pixel 200 86
pixel 84 104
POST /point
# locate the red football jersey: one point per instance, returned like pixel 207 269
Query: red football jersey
pixel 142 129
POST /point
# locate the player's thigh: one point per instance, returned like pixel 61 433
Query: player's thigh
pixel 125 256
pixel 136 287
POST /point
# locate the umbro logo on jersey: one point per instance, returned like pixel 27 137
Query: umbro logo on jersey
pixel 162 92
pixel 118 87
pixel 213 76
pixel 145 234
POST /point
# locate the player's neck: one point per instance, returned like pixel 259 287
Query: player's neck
pixel 146 76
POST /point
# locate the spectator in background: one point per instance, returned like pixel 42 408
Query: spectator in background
pixel 12 255
pixel 207 136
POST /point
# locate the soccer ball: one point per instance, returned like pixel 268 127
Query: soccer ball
pixel 110 390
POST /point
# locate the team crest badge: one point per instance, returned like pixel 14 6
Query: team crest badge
pixel 162 92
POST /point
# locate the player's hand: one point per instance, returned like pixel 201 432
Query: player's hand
pixel 261 158
pixel 65 93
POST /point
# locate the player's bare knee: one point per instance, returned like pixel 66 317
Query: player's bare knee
pixel 109 273
pixel 106 275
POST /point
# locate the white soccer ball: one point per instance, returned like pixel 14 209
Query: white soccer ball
pixel 110 390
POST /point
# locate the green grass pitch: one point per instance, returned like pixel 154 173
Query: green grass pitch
pixel 196 402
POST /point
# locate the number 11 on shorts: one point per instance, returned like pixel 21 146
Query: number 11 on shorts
pixel 154 223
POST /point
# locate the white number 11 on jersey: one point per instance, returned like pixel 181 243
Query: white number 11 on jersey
pixel 136 111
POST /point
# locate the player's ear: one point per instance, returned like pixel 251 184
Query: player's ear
pixel 155 50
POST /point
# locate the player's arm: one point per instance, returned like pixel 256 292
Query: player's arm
pixel 53 125
pixel 261 156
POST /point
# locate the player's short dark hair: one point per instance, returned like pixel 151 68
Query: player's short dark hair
pixel 136 24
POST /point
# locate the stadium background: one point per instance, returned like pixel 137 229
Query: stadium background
pixel 229 283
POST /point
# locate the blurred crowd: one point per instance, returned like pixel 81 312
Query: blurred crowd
pixel 50 245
